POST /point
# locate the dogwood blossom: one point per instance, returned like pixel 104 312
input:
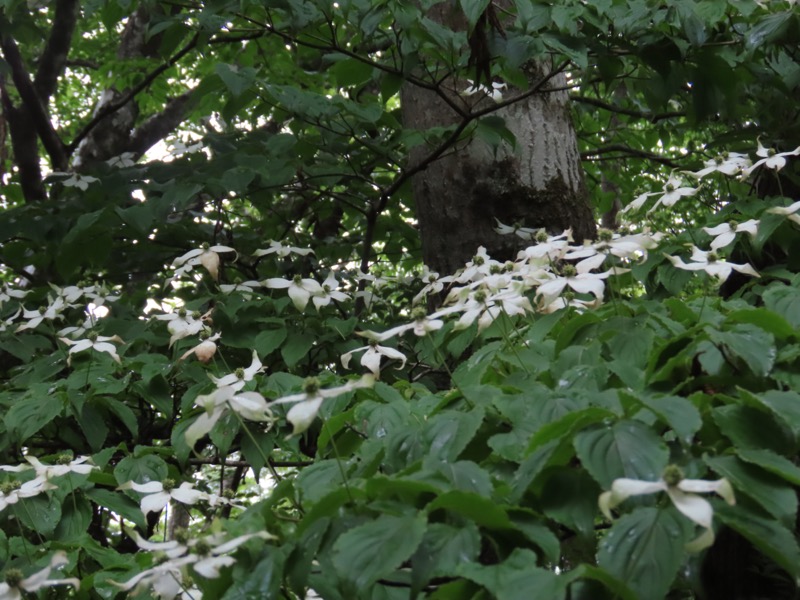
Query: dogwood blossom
pixel 239 377
pixel 724 233
pixel 206 255
pixel 711 263
pixel 790 212
pixel 13 491
pixel 770 158
pixel 99 343
pixel 576 277
pixel 250 405
pixel 282 250
pixel 494 92
pixel 329 292
pixel 204 351
pixel 45 313
pixel 674 190
pixel 308 402
pixel 65 464
pixel 159 493
pixel 371 359
pixel 727 163
pixel 300 289
pixel 16 586
pixel 183 323
pixel 681 491
pixel 8 293
pixel 206 555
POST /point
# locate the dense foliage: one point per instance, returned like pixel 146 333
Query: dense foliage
pixel 224 371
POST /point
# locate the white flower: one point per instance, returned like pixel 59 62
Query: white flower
pixel 14 585
pixel 487 307
pixel 631 246
pixel 206 556
pixel 303 413
pixel 329 292
pixel 49 313
pixel 724 233
pixel 250 405
pixel 159 493
pixel 727 163
pixel 525 233
pixel 79 181
pixel 99 343
pixel 123 160
pixel 204 351
pixel 674 190
pixel 548 247
pixel 790 212
pixel 578 278
pixel 183 323
pixel 372 357
pixel 494 92
pixel 8 293
pixel 282 250
pixel 300 289
pixel 63 467
pixel 13 491
pixel 711 263
pixel 207 256
pixel 246 287
pixel 771 159
pixel 238 378
pixel 681 492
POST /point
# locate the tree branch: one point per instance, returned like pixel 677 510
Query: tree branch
pixel 159 126
pixel 597 152
pixel 652 117
pixel 54 58
pixel 33 105
pixel 24 143
pixel 113 107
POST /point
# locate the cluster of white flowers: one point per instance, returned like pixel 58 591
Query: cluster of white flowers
pixel 159 493
pixel 206 555
pixel 16 586
pixel 12 491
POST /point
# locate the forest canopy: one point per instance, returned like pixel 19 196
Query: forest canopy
pixel 378 299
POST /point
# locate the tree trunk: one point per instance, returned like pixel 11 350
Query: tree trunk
pixel 460 195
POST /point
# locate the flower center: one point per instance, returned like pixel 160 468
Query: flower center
pixel 239 373
pixel 673 475
pixel 311 385
pixel 168 484
pixel 541 236
pixel 64 459
pixel 712 257
pixel 480 296
pixel 419 314
pixel 297 279
pixel 605 235
pixel 569 271
pixel 9 486
pixel 14 578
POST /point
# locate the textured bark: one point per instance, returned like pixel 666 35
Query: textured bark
pixel 539 184
pixel 459 194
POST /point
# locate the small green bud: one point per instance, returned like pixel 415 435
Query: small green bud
pixel 14 578
pixel 673 475
pixel 311 385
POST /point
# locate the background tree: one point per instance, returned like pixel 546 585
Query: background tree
pixel 250 190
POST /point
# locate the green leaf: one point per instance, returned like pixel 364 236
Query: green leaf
pixel 770 492
pixel 296 348
pixel 771 538
pixel 76 515
pixel 443 548
pixel 785 405
pixel 482 511
pixel 31 413
pixel 784 300
pixel 141 470
pixel 774 463
pixel 645 549
pixel 752 428
pixel 754 346
pixel 625 449
pixel 679 413
pixel 449 432
pixel 516 578
pixel 368 552
pixel 569 496
pixel 40 513
pixel 268 341
pixel 473 9
pixel 261 581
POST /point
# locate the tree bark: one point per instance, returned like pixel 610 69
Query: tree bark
pixel 460 194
